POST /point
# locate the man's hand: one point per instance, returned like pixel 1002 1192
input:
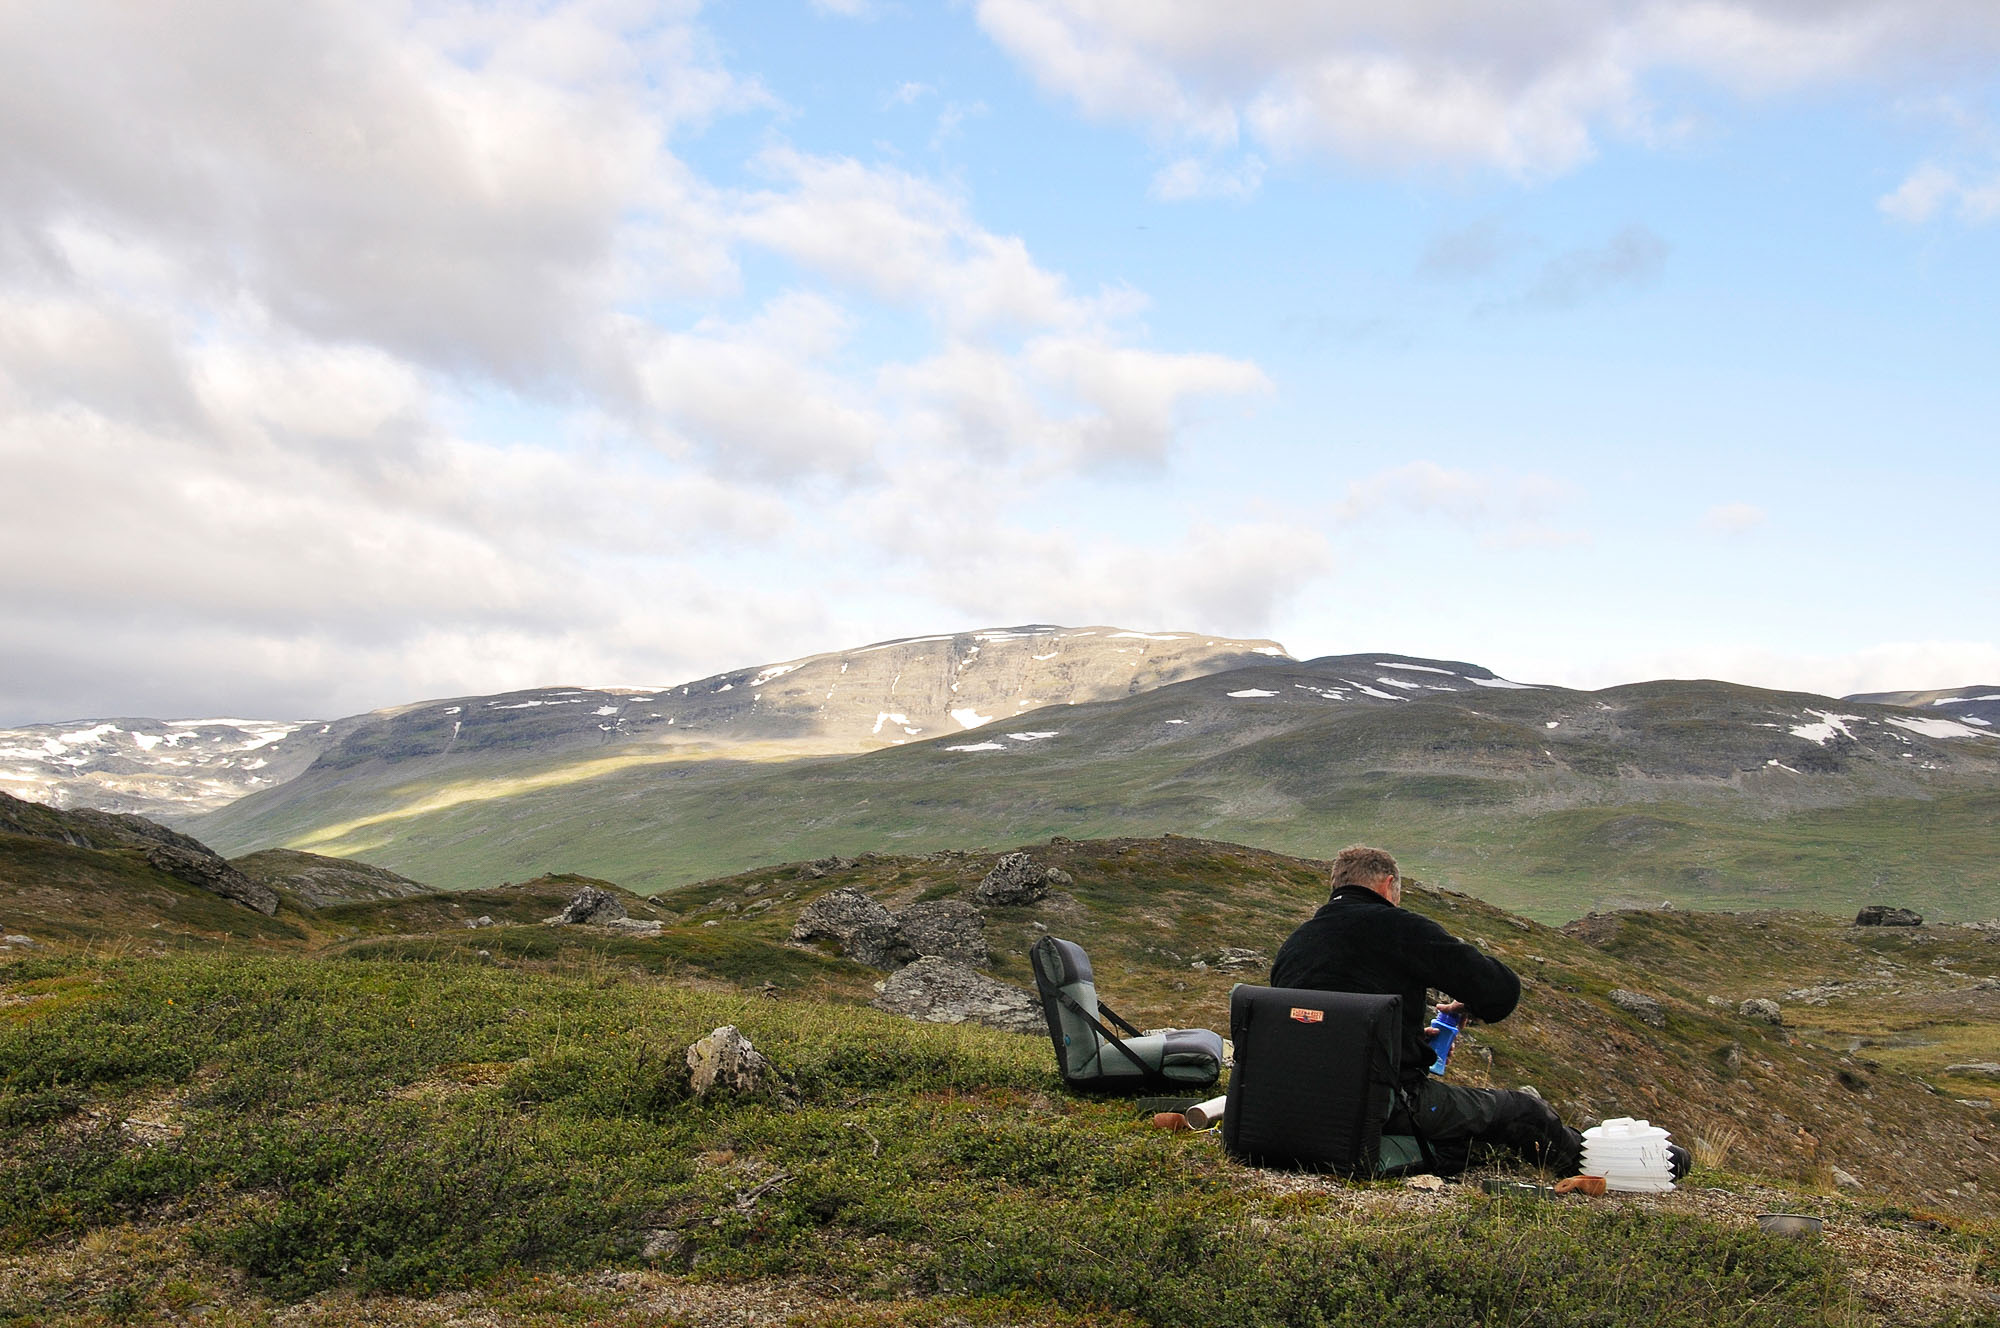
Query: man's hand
pixel 1447 1007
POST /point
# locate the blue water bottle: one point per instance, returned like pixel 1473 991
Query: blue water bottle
pixel 1444 1030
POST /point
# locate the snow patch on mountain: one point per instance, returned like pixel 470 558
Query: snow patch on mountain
pixel 1828 725
pixel 1935 728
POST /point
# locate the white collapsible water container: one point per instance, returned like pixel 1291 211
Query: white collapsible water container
pixel 1630 1154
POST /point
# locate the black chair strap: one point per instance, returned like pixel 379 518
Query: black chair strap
pixel 1075 1007
pixel 1113 1016
pixel 1409 1101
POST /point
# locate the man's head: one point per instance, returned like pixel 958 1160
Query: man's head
pixel 1369 868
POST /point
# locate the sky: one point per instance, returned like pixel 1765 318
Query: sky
pixel 356 352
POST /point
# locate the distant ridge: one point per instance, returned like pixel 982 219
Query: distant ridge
pixel 877 695
pixel 1978 706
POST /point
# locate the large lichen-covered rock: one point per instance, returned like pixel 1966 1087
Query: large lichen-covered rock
pixel 1647 1009
pixel 939 991
pixel 322 882
pixel 590 905
pixel 1763 1011
pixel 863 930
pixel 945 929
pixel 1017 879
pixel 206 871
pixel 1882 915
pixel 725 1062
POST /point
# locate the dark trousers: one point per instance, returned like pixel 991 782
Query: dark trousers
pixel 1451 1118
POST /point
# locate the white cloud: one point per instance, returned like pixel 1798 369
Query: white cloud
pixel 1524 90
pixel 352 352
pixel 1133 399
pixel 1733 518
pixel 1506 510
pixel 1192 177
pixel 1931 189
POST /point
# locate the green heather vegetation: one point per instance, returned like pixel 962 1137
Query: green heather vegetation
pixel 373 1112
pixel 251 1131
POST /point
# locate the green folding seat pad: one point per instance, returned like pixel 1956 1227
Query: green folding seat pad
pixel 1093 1057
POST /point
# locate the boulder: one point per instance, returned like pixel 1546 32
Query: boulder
pixel 1015 880
pixel 1644 1007
pixel 1976 1069
pixel 863 930
pixel 725 1062
pixel 939 991
pixel 589 905
pixel 1233 959
pixel 206 871
pixel 945 929
pixel 1882 915
pixel 1763 1011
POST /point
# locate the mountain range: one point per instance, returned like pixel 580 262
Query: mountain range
pixel 1550 800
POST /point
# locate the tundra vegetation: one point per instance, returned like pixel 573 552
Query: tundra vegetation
pixel 436 1108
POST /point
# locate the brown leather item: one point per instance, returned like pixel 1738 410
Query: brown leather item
pixel 1590 1185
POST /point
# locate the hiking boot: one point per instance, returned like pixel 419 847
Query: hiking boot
pixel 1680 1160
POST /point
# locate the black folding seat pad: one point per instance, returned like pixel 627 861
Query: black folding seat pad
pixel 1315 1077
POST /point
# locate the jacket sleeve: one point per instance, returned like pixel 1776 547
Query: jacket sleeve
pixel 1488 987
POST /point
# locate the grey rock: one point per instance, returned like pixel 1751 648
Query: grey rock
pixel 1233 959
pixel 589 905
pixel 322 882
pixel 939 991
pixel 1648 1010
pixel 725 1062
pixel 483 920
pixel 1846 1180
pixel 863 930
pixel 1882 915
pixel 18 940
pixel 1763 1011
pixel 637 926
pixel 206 871
pixel 1015 880
pixel 662 1244
pixel 1975 1069
pixel 945 929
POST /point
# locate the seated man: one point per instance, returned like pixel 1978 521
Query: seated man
pixel 1362 940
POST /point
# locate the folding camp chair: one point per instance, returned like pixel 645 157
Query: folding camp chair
pixel 1094 1058
pixel 1316 1083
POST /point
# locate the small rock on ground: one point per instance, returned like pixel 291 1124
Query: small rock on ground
pixel 1647 1010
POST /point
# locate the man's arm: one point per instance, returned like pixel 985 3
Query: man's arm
pixel 1486 987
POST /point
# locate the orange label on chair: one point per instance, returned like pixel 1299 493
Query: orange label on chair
pixel 1308 1016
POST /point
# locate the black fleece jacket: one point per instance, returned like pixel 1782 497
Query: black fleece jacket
pixel 1359 941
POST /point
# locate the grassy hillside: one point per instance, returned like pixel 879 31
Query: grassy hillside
pixel 414 1142
pixel 435 1108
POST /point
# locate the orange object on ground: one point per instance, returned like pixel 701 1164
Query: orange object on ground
pixel 1590 1185
pixel 1170 1120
